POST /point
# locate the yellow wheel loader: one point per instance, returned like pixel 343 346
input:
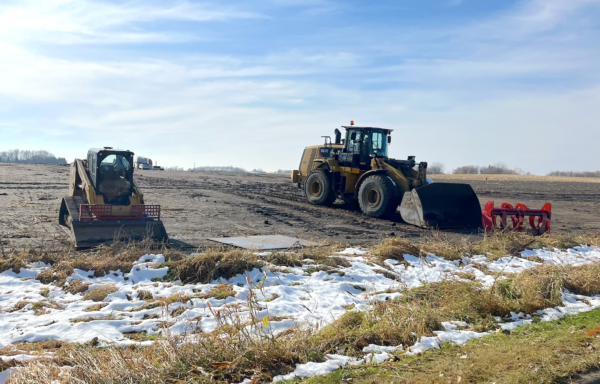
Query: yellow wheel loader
pixel 358 171
pixel 105 204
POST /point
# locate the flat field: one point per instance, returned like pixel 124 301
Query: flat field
pixel 197 206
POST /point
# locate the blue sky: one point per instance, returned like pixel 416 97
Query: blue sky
pixel 251 83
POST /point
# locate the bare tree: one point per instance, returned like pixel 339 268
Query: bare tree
pixel 436 169
pixel 466 170
pixel 497 169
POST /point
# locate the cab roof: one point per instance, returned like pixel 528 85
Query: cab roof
pixel 355 127
pixel 110 150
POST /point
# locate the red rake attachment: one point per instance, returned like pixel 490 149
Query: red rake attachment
pixel 517 215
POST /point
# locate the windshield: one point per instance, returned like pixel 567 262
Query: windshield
pixel 379 143
pixel 114 176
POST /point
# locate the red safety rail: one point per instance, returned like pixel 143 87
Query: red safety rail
pixel 539 219
pixel 104 212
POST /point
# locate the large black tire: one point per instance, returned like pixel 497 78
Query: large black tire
pixel 318 188
pixel 378 196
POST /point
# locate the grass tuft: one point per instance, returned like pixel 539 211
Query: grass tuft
pixel 100 293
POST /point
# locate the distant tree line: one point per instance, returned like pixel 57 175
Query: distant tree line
pixel 228 169
pixel 497 169
pixel 575 174
pixel 30 157
pixel 174 168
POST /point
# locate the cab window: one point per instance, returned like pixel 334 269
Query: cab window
pixel 379 142
pixel 354 143
pixel 114 176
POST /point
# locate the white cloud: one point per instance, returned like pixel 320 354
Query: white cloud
pixel 532 17
pixel 448 93
pixel 77 21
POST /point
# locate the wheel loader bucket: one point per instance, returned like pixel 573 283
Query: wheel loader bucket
pixel 85 234
pixel 442 205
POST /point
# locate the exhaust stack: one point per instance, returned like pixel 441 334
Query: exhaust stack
pixel 338 136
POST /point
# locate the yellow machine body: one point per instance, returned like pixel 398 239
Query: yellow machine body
pixel 104 202
pixel 358 170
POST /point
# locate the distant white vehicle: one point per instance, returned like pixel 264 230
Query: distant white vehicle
pixel 143 163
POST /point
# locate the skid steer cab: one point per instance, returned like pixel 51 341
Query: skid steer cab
pixel 105 204
pixel 358 171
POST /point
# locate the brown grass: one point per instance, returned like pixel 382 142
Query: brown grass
pixel 14 263
pixel 541 353
pixel 213 265
pixel 100 293
pixel 96 307
pixel 144 295
pixel 94 318
pixel 220 292
pixel 493 246
pixel 233 352
pixel 76 286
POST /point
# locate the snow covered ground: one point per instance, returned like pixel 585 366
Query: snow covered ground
pixel 290 296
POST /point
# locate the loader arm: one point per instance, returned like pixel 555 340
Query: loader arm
pixel 78 172
pixel 138 192
pixel 399 178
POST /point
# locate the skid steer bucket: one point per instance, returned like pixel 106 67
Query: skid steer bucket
pixel 87 226
pixel 442 205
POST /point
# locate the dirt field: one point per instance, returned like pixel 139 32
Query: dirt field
pixel 199 206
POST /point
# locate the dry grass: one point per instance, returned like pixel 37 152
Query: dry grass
pixel 14 263
pixel 76 286
pixel 100 293
pixel 233 351
pixel 101 260
pixel 144 295
pixel 213 265
pixel 94 318
pixel 493 246
pixel 96 307
pixel 550 352
pixel 220 292
pixel 583 280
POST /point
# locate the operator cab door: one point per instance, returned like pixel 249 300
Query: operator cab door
pixel 355 153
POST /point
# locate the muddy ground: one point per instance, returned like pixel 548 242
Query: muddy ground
pixel 199 206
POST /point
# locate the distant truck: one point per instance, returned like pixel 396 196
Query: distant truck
pixel 143 163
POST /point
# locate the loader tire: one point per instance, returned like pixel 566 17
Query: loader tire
pixel 378 196
pixel 318 188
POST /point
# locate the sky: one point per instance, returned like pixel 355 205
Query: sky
pixel 252 83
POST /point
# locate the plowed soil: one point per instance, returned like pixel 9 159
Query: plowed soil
pixel 199 206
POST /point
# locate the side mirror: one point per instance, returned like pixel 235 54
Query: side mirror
pixel 389 139
pixel 353 136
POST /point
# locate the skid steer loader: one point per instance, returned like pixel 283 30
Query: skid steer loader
pixel 105 204
pixel 358 171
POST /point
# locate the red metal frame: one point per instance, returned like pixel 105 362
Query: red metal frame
pixel 517 216
pixel 104 212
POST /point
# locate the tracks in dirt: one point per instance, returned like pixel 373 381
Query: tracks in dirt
pixel 281 203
